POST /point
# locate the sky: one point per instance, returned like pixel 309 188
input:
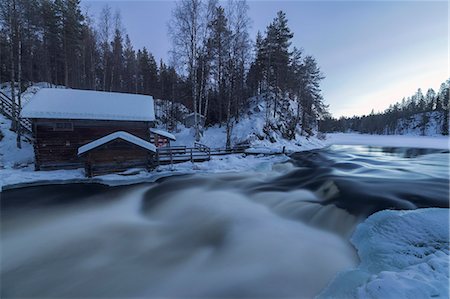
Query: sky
pixel 372 53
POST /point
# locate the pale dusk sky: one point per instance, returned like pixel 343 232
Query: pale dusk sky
pixel 373 53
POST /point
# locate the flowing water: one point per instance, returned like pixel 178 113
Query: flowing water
pixel 281 233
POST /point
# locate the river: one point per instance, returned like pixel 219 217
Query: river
pixel 279 233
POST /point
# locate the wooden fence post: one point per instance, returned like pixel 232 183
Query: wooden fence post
pixel 157 157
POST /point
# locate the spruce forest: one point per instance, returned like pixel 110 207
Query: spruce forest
pixel 215 69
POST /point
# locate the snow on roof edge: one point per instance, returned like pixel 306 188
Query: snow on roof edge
pixel 163 133
pixel 116 135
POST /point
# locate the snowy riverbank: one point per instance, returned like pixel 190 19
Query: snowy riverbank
pixel 17 165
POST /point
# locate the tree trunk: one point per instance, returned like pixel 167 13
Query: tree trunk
pixel 19 102
pixel 194 78
pixel 112 78
pixel 206 107
pixel 194 94
pixel 105 65
pixel 66 62
pixel 228 129
pixel 12 10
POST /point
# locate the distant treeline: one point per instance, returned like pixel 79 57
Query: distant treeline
pixel 214 70
pixel 388 122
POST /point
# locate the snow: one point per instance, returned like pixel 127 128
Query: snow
pixel 245 132
pixel 413 124
pixel 437 142
pixel 87 104
pixel 10 155
pixel 28 93
pixel 404 254
pixel 117 135
pixel 163 133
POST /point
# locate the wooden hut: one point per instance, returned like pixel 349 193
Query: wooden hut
pixel 63 120
pixel 161 138
pixel 117 152
pixel 189 120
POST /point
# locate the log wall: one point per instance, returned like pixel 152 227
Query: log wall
pixel 56 146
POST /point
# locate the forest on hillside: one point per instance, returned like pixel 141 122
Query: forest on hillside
pixel 215 69
pixel 416 113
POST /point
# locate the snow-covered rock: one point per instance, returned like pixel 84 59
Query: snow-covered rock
pixel 404 254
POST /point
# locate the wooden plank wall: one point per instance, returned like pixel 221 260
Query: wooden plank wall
pixel 117 156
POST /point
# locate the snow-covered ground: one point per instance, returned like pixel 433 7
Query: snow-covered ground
pixel 404 254
pixel 215 137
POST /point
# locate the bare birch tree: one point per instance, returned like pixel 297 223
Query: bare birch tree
pixel 105 32
pixel 185 31
pixel 238 24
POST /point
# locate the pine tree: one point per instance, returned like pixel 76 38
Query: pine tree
pixel 130 67
pixel 147 73
pixel 430 99
pixel 312 101
pixel 278 43
pixel 444 100
pixel 117 62
pixel 71 27
pixel 52 48
pixel 219 47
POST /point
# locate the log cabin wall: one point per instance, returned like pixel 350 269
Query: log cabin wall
pixel 56 141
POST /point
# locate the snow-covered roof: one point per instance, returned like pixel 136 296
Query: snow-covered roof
pixel 163 133
pixel 59 103
pixel 117 135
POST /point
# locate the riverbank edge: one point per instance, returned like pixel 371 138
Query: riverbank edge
pixel 215 164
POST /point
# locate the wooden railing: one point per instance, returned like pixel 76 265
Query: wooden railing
pixel 200 146
pixel 198 153
pixel 179 154
pixel 8 107
pixel 227 151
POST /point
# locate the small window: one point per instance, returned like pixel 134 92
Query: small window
pixel 63 127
